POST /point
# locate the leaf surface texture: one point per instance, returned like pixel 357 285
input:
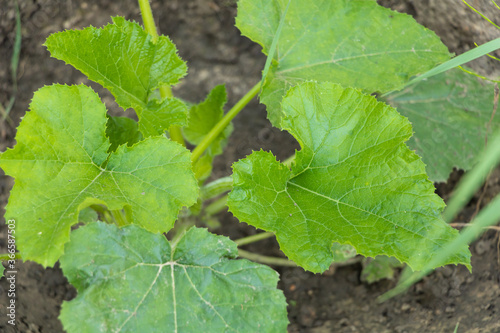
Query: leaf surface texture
pixel 123 59
pixel 452 116
pixel 130 280
pixel 356 43
pixel 354 182
pixel 61 165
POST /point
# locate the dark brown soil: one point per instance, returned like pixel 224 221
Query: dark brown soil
pixel 204 32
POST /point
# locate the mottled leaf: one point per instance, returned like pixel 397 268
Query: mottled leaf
pixel 352 42
pixel 130 280
pixel 353 182
pixel 342 252
pixel 452 115
pixel 123 58
pixel 61 165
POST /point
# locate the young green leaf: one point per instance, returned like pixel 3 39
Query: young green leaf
pixel 87 215
pixel 451 114
pixel 130 280
pixel 379 268
pixel 61 165
pixel 122 130
pixel 202 118
pixel 354 43
pixel 2 269
pixel 354 182
pixel 123 59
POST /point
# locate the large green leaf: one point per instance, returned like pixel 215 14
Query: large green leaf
pixel 123 59
pixel 451 114
pixel 354 182
pixel 61 165
pixel 352 42
pixel 202 118
pixel 130 280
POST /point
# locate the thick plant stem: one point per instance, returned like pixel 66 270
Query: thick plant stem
pixel 217 187
pixel 119 218
pixel 165 91
pixel 148 20
pixel 217 206
pixel 222 124
pixel 265 259
pixel 253 238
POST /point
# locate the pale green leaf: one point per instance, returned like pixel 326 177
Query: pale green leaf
pixel 122 130
pixel 352 42
pixel 202 118
pixel 87 215
pixel 61 165
pixel 123 58
pixel 2 269
pixel 452 115
pixel 130 280
pixel 379 268
pixel 203 167
pixel 354 182
pixel 342 252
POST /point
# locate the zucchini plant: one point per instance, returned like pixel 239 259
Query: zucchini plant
pixel 126 183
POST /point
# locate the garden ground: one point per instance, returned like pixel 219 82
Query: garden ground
pixel 204 32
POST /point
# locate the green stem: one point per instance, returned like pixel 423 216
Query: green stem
pixel 6 256
pixel 147 19
pixel 119 217
pixel 217 206
pixel 165 91
pixel 176 135
pixel 179 231
pixel 222 124
pixel 253 238
pixel 265 259
pixel 217 187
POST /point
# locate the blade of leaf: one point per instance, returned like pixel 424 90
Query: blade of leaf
pixel 203 117
pixel 61 165
pixel 451 114
pixel 274 44
pixel 472 181
pixel 488 216
pixel 459 60
pixel 379 268
pixel 123 58
pixel 122 130
pixel 131 280
pixel 334 41
pixel 354 182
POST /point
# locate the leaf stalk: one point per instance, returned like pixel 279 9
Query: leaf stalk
pixel 265 259
pixel 223 123
pixel 165 91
